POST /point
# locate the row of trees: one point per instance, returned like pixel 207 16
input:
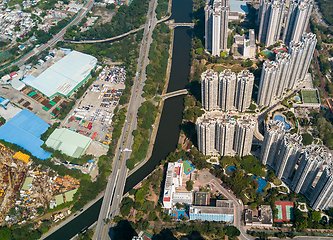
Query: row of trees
pixel 158 61
pixel 147 113
pixel 127 18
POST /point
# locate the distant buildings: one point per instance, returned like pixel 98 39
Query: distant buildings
pixel 222 135
pixel 288 68
pixel 226 91
pixel 279 21
pixel 216 26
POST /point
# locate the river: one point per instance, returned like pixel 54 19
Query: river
pixel 169 127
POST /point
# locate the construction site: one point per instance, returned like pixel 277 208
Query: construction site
pixel 27 190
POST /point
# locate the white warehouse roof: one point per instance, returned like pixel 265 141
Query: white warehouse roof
pixel 65 76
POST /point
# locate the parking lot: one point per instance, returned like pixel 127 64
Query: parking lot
pixel 92 115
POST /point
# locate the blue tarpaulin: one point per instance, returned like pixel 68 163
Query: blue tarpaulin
pixel 25 129
pixel 3 102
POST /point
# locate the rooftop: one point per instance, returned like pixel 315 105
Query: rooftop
pixel 25 129
pixel 71 143
pixel 64 76
pixel 239 7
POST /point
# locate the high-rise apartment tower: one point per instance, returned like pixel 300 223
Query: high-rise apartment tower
pixel 274 133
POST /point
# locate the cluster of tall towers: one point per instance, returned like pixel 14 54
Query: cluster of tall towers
pixel 226 91
pixel 279 21
pixel 216 26
pixel 220 134
pixel 283 152
pixel 288 68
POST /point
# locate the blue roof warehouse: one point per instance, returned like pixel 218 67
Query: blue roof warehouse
pixel 25 130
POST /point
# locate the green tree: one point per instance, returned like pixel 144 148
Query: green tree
pixel 199 51
pixel 5 233
pixel 307 139
pixel 140 195
pixel 232 231
pixel 189 185
pixel 315 216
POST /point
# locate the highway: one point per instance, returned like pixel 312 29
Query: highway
pixel 116 183
pixel 57 37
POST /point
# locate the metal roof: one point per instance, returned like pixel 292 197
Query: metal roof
pixel 64 76
pixel 71 143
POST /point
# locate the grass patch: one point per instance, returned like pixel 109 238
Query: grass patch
pixel 310 96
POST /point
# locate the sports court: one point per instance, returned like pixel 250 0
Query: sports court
pixel 285 211
pixel 178 213
pixel 188 168
pixel 310 96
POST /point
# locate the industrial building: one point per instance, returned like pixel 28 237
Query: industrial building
pixel 71 143
pixel 25 129
pixel 65 76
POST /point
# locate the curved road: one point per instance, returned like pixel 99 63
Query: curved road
pixel 115 37
pixel 205 176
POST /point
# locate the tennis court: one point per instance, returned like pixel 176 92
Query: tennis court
pixel 285 211
pixel 188 168
pixel 310 96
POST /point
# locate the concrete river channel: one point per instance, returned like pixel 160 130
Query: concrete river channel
pixel 169 127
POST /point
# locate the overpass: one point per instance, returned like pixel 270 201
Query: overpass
pixel 191 25
pixel 115 37
pixel 174 94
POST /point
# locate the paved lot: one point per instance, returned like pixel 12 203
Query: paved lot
pixel 14 96
pixel 90 116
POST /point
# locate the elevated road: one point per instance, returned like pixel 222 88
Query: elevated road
pixel 115 37
pixel 117 179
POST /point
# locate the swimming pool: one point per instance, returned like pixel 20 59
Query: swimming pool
pixel 282 119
